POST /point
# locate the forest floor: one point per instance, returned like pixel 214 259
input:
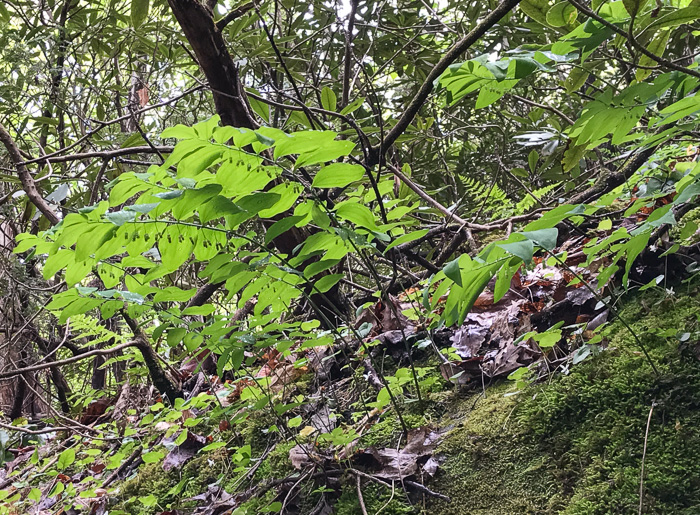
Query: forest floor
pixel 572 442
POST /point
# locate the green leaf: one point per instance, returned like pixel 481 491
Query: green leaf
pixel 57 261
pixel 66 459
pixel 357 214
pixel 174 294
pixel 328 99
pixel 328 152
pixel 198 161
pixel 213 446
pixel 505 275
pixel 57 490
pixel 572 155
pixel 34 495
pixel 604 225
pixel 131 296
pixel 326 282
pixel 133 141
pixel 152 457
pixel 78 270
pixel 675 18
pixel 577 78
pixel 548 339
pixel 656 47
pixel 634 248
pixel 282 226
pixel 206 309
pixel 453 271
pixel 149 500
pixel 532 159
pixel 545 238
pixel 522 249
pixel 353 106
pixel 536 9
pixel 175 336
pixel 633 6
pixel 405 238
pixel 139 12
pixel 119 218
pixel 562 13
pixel 179 131
pixel 338 175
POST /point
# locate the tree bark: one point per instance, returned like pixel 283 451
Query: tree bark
pixel 197 22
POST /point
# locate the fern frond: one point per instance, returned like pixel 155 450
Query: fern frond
pixel 494 200
pixel 530 201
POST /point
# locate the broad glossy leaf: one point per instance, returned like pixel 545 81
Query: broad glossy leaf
pixel 561 14
pixel 545 238
pixel 453 271
pixel 329 101
pixel 338 175
pixel 139 12
pixel 536 9
pixel 522 249
pixel 406 238
pixel 634 6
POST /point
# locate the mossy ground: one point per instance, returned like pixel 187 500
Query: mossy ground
pixel 573 445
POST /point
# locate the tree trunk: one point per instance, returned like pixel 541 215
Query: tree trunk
pixel 197 22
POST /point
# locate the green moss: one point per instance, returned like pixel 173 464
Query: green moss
pixel 376 498
pixel 193 479
pixel 150 479
pixel 692 217
pixel 575 445
pixel 388 430
pixel 277 464
pixel 492 466
pixel 254 430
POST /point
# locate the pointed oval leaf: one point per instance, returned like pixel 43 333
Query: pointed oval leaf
pixel 338 175
pixel 139 12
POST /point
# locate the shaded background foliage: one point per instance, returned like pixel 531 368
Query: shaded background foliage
pixel 556 103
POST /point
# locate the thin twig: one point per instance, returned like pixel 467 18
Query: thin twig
pixel 67 361
pixel 639 47
pixel 644 455
pixel 26 178
pixel 427 87
pixel 359 495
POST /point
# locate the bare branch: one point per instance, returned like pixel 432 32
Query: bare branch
pixel 427 87
pixel 68 361
pixel 105 154
pixel 671 65
pixel 26 178
pixel 233 15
